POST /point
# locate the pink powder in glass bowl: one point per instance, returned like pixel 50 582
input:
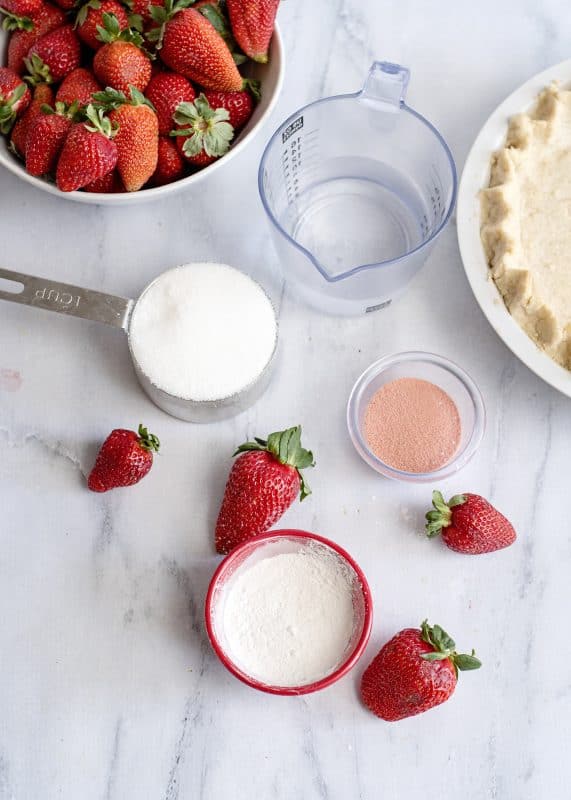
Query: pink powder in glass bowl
pixel 415 417
pixel 412 425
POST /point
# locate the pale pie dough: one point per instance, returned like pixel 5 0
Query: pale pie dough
pixel 526 222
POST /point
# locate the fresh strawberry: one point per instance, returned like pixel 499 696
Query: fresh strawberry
pixel 203 133
pixel 191 45
pixel 166 91
pixel 46 135
pixel 170 164
pixel 78 87
pixel 137 136
pixel 253 25
pixel 15 97
pixel 43 96
pixel 90 18
pixel 469 524
pixel 262 485
pixel 414 671
pixel 88 153
pixel 21 8
pixel 239 105
pixel 26 30
pixel 121 62
pixel 53 56
pixel 125 458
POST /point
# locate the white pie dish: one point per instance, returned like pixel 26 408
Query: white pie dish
pixel 474 178
pixel 270 75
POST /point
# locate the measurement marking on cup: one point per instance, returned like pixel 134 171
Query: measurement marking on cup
pixel 54 296
pixel 296 125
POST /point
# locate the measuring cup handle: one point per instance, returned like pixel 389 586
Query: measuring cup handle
pixel 386 85
pixel 65 298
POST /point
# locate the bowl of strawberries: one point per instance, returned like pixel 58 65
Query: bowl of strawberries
pixel 118 101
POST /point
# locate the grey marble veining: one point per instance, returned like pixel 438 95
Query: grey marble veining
pixel 108 687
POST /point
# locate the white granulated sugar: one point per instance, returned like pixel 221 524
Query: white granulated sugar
pixel 288 619
pixel 203 331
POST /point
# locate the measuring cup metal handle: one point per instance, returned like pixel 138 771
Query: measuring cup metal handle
pixel 65 298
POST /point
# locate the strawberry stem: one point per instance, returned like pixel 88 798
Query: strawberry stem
pixel 440 516
pixel 444 647
pixel 148 441
pixel 206 128
pixel 285 447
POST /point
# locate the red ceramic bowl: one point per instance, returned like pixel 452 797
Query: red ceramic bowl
pixel 288 541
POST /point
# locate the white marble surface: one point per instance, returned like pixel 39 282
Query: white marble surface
pixel 108 687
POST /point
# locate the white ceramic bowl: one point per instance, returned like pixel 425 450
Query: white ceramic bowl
pixel 475 177
pixel 271 77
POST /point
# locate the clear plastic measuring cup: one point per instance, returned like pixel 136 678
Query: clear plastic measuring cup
pixel 357 188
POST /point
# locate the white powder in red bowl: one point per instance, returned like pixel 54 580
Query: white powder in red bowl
pixel 412 425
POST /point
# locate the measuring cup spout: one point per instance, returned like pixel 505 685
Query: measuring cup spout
pixel 64 298
pixel 386 85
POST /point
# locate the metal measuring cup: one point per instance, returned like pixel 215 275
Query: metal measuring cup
pixel 75 301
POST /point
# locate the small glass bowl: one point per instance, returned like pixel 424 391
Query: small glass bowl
pixel 286 541
pixel 425 366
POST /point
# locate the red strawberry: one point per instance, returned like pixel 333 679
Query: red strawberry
pixel 414 671
pixel 108 184
pixel 46 136
pixel 137 136
pixel 21 8
pixel 191 45
pixel 204 134
pixel 239 105
pixel 262 485
pixel 90 18
pixel 53 56
pixel 15 97
pixel 121 63
pixel 43 95
pixel 124 459
pixel 165 91
pixel 26 30
pixel 252 25
pixel 78 87
pixel 170 164
pixel 469 524
pixel 88 153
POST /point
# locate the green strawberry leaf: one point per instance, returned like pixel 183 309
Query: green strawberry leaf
pixel 440 515
pixel 444 648
pixel 12 22
pixel 136 22
pixel 466 662
pixel 434 656
pixel 38 72
pixel 254 87
pixel 216 18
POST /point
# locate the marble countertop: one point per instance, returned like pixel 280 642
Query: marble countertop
pixel 108 687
